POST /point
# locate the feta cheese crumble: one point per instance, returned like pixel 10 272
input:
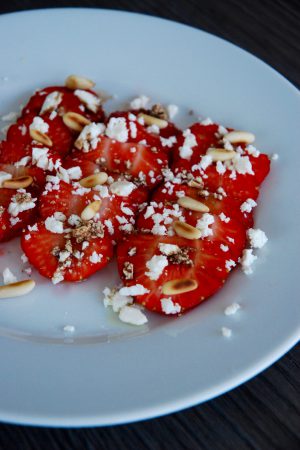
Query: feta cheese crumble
pixel 232 309
pixel 117 129
pixel 91 101
pixel 51 102
pixel 185 151
pixel 203 224
pixel 248 205
pixel 54 225
pixel 226 332
pixel 140 102
pixel 169 307
pixel 257 237
pixel 39 124
pixel 136 289
pixel 246 261
pixel 132 315
pixel 168 249
pixel 122 188
pixel 156 266
pixel 172 111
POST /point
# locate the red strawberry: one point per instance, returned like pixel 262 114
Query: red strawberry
pixel 137 160
pixel 197 264
pixel 73 256
pixel 12 221
pixel 69 103
pixel 216 202
pixel 228 234
pixel 116 213
pixel 61 136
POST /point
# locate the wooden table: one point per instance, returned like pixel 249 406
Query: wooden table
pixel 265 412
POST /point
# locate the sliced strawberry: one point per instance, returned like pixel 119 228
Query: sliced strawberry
pixel 61 136
pixel 196 260
pixel 117 213
pixel 216 202
pixel 228 234
pixel 73 256
pixel 12 221
pixel 69 103
pixel 137 160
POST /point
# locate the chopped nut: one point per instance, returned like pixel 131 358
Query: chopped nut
pixel 128 270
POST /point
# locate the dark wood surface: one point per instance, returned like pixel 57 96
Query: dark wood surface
pixel 265 412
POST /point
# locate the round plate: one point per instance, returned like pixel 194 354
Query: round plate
pixel 108 372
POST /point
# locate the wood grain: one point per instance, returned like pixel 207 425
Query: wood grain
pixel 264 413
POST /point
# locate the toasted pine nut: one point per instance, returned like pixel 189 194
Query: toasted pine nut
pixel 220 154
pixel 185 230
pixel 192 204
pixel 40 137
pixel 75 121
pixel 16 289
pixel 179 286
pixel 90 210
pixel 94 180
pixel 150 120
pixel 239 136
pixel 195 184
pixel 18 183
pixel 77 82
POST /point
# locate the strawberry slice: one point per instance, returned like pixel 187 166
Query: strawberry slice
pixel 170 192
pixel 239 177
pixel 61 136
pixel 117 212
pixel 196 265
pixel 139 161
pixel 73 255
pixel 17 209
pixel 228 234
pixel 69 102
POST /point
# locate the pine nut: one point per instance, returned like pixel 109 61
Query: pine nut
pixel 185 230
pixel 17 183
pixel 150 120
pixel 75 121
pixel 77 82
pixel 16 289
pixel 179 286
pixel 40 137
pixel 195 184
pixel 192 204
pixel 220 154
pixel 90 210
pixel 94 180
pixel 239 136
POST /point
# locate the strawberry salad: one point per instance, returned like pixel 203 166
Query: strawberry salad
pixel 175 206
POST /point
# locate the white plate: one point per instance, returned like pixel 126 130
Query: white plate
pixel 109 373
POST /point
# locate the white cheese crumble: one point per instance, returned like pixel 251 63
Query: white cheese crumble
pixel 51 102
pixel 74 220
pixel 172 110
pixel 229 264
pixel 136 289
pixel 203 224
pixel 169 249
pixel 17 206
pixel 224 248
pixel 169 307
pixel 247 260
pixel 54 225
pixel 248 205
pixel 39 124
pixel 224 218
pixel 140 102
pixel 257 237
pixel 156 266
pixel 226 332
pixel 122 188
pixel 168 142
pixel 8 276
pixel 232 309
pixel 91 101
pixel 90 136
pixel 185 151
pixel 113 298
pixel 69 329
pixel 117 129
pixel 95 258
pixel 132 315
pixel 207 121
